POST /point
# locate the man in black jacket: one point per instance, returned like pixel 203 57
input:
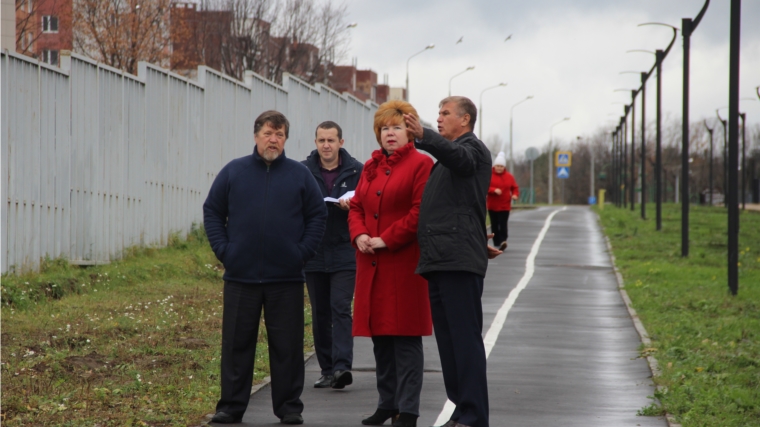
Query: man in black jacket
pixel 331 274
pixel 264 217
pixel 454 253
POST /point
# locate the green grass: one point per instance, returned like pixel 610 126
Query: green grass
pixel 133 343
pixel 706 341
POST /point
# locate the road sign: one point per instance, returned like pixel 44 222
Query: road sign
pixel 563 158
pixel 532 153
pixel 563 172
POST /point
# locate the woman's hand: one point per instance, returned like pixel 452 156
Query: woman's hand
pixel 497 191
pixel 363 243
pixel 377 243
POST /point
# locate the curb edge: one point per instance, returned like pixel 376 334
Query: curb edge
pixel 654 366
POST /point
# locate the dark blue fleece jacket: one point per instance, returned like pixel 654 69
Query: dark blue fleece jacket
pixel 264 222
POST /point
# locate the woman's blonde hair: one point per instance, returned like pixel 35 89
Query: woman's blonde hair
pixel 392 113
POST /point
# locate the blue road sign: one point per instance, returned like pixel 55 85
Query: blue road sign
pixel 563 158
pixel 563 172
pixel 592 200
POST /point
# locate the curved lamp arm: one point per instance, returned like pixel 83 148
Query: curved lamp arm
pixel 700 15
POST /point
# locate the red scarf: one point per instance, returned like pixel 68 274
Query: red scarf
pixel 378 157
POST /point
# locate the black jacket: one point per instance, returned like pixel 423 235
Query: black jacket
pixel 264 222
pixel 452 225
pixel 335 253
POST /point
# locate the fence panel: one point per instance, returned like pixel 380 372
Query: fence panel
pixel 95 160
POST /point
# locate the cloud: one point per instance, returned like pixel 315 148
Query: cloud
pixel 568 55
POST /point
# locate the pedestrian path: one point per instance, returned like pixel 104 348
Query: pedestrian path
pixel 563 347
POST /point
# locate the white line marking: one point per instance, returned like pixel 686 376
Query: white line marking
pixel 501 316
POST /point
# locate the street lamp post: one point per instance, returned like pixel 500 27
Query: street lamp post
pixel 658 149
pixel 743 116
pixel 687 28
pixel 725 156
pixel 480 128
pixel 430 46
pixel 551 159
pixel 733 145
pixel 624 158
pixel 710 131
pixel 472 67
pixel 511 110
pixel 659 58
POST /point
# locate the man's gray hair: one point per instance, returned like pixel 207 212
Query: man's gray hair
pixel 464 106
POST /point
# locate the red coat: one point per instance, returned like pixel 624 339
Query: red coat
pixel 508 186
pixel 389 298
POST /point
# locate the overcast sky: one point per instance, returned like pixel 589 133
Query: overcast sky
pixel 567 54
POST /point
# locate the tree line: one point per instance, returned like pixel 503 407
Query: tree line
pixel 598 145
pixel 269 37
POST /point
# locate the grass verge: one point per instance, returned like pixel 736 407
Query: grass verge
pixel 133 343
pixel 705 340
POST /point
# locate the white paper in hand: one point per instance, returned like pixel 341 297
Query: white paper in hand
pixel 346 196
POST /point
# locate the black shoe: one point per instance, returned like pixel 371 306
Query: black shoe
pixel 292 419
pixel 405 420
pixel 325 381
pixel 225 418
pixel 503 246
pixel 449 423
pixel 380 417
pixel 341 379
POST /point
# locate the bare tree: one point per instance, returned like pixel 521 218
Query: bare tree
pixel 269 37
pixel 120 33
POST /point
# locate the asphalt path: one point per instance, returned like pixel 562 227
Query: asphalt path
pixel 563 349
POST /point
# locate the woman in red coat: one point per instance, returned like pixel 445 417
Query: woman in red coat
pixel 391 303
pixel 501 192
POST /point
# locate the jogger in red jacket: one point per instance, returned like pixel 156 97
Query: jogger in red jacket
pixel 501 192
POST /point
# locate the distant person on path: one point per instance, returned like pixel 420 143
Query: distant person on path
pixel 331 274
pixel 264 218
pixel 454 252
pixel 502 191
pixel 391 303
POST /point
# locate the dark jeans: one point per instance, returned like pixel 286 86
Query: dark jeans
pixel 400 364
pixel 458 323
pixel 331 295
pixel 283 318
pixel 499 226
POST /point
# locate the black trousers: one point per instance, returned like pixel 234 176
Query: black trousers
pixel 400 364
pixel 499 221
pixel 283 317
pixel 331 295
pixel 458 323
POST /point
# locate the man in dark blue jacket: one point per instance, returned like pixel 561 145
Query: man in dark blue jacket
pixel 331 274
pixel 264 217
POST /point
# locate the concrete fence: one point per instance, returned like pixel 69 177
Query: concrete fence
pixel 95 160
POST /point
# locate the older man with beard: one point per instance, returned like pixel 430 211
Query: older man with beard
pixel 264 217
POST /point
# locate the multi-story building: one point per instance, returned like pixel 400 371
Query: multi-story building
pixel 359 83
pixel 44 29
